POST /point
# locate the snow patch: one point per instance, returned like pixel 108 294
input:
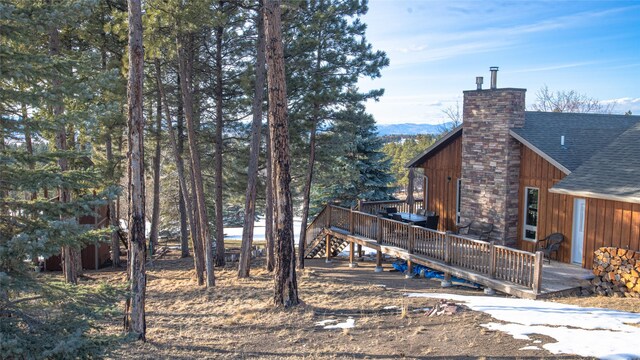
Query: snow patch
pixel 325 322
pixel 350 323
pixel 391 307
pixel 577 330
pixel 530 347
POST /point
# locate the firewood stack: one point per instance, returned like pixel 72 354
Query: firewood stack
pixel 616 272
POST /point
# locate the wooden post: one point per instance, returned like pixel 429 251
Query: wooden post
pixel 351 220
pixel 446 282
pixel 537 273
pixel 328 248
pixel 360 251
pixel 410 244
pixel 492 259
pixel 379 241
pixel 360 205
pixel 447 247
pixel 410 191
pixel 351 254
pixel 329 207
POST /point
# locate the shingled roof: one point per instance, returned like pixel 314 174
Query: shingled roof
pixel 601 152
pixel 584 135
pixel 612 173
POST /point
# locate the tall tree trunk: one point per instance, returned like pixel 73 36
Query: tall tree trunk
pixel 269 230
pixel 155 215
pixel 135 321
pixel 113 218
pixel 69 266
pixel 187 101
pixel 184 229
pixel 306 194
pixel 185 193
pixel 244 265
pixel 286 286
pixel 185 204
pixel 218 142
pixel 312 159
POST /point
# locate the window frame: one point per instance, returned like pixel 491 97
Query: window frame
pixel 526 227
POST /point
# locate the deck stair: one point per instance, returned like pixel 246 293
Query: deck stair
pixel 317 247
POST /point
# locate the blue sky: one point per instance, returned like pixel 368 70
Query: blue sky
pixel 437 48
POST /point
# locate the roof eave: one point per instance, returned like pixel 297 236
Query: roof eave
pixel 595 195
pixel 540 152
pixel 450 134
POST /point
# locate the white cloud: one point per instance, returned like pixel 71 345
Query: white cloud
pixel 555 67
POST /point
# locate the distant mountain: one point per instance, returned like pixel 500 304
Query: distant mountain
pixel 410 129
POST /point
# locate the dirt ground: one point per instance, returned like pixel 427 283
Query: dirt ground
pixel 236 320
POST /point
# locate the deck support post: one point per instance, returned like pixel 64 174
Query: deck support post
pixel 446 282
pixel 379 261
pixel 379 241
pixel 537 273
pixel 360 254
pixel 489 291
pixel 329 206
pixel 328 248
pixel 410 245
pixel 352 264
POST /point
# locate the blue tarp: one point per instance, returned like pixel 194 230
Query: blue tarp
pixel 420 270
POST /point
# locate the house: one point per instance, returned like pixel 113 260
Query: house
pixel 532 174
pixel 93 256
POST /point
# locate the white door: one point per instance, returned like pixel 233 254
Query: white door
pixel 578 231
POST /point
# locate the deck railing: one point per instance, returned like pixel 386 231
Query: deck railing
pixel 319 222
pixel 373 207
pixel 486 258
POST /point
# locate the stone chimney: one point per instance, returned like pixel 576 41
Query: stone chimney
pixel 491 160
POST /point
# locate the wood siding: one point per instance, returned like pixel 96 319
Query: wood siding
pixel 443 170
pixel 555 211
pixel 607 223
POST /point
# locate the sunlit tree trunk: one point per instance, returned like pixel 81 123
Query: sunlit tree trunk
pixel 244 265
pixel 155 215
pixel 218 93
pixel 135 321
pixel 286 286
pixel 185 204
pixel 187 102
pixel 269 216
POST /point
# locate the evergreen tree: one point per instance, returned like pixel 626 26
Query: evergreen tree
pixel 328 54
pixel 361 170
pixel 46 101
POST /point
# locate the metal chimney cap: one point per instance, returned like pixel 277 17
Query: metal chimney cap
pixel 493 68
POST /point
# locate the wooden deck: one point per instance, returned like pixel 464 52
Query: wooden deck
pixel 507 270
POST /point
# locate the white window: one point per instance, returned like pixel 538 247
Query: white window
pixel 530 224
pixel 458 201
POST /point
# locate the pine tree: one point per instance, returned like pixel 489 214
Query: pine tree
pixel 329 55
pixel 361 170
